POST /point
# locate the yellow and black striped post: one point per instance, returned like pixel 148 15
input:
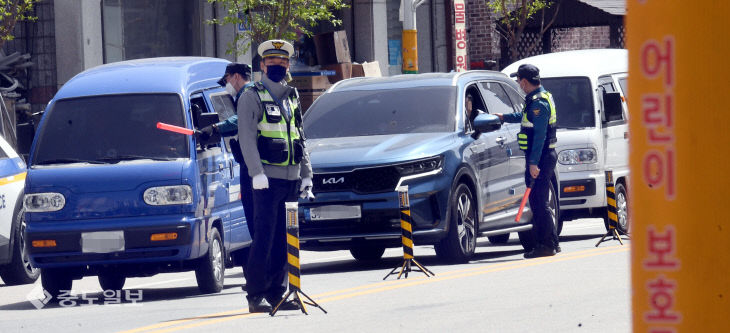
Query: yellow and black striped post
pixel 406 237
pixel 612 211
pixel 292 256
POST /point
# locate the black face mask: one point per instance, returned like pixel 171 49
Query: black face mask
pixel 276 72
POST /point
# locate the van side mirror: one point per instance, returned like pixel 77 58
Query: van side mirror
pixel 612 107
pixel 484 123
pixel 207 119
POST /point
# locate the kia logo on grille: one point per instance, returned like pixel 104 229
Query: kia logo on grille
pixel 333 180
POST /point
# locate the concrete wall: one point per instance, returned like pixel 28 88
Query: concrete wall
pixel 80 46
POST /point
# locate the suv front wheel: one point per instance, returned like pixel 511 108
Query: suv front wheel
pixel 460 242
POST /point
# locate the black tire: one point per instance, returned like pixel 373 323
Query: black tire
pixel 367 252
pixel 55 281
pixel 211 271
pixel 460 242
pixel 499 239
pixel 622 210
pixel 527 238
pixel 111 280
pixel 19 270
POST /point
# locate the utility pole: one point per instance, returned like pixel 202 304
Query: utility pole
pixel 410 35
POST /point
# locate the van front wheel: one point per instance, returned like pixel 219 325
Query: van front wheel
pixel 210 272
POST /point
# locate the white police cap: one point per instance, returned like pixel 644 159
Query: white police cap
pixel 276 48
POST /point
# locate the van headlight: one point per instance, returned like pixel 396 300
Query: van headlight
pixel 44 202
pixel 417 167
pixel 578 156
pixel 168 195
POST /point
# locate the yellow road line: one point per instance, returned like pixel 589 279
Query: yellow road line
pixel 383 286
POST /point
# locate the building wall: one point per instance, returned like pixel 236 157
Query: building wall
pixel 39 40
pixel 580 38
pixel 483 40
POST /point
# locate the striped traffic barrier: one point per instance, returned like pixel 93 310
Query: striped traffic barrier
pixel 407 237
pixel 612 211
pixel 292 255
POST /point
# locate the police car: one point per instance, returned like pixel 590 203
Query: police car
pixel 15 267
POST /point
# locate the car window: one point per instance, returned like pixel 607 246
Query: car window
pixel 382 112
pixel 518 101
pixel 573 98
pixel 222 105
pixel 111 128
pixel 497 99
pixel 3 155
pixel 624 83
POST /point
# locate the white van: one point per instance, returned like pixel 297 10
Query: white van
pixel 589 89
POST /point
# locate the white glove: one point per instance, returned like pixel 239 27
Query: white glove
pixel 260 182
pixel 305 190
pixel 306 182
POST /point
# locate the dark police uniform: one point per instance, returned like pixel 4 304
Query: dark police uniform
pixel 537 139
pixel 227 128
pixel 270 133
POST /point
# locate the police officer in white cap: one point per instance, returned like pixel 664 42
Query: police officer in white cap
pixel 272 142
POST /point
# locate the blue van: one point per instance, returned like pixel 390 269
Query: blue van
pixel 108 194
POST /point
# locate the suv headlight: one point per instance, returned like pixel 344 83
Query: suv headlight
pixel 422 166
pixel 168 195
pixel 44 202
pixel 578 156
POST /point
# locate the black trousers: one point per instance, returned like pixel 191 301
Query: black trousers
pixel 542 221
pixel 247 201
pixel 266 269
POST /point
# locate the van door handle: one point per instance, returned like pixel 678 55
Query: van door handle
pixel 500 140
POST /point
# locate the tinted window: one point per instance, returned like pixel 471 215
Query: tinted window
pixel 518 101
pixel 381 112
pixel 111 128
pixel 222 105
pixel 497 98
pixel 623 82
pixel 573 101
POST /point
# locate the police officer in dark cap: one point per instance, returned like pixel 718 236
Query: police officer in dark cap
pixel 236 80
pixel 537 139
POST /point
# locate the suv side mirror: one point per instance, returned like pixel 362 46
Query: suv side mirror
pixel 612 106
pixel 484 123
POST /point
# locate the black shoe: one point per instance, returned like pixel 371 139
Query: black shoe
pixel 258 304
pixel 287 305
pixel 557 249
pixel 540 251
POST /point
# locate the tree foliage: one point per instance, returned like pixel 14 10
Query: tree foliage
pixel 12 12
pixel 514 16
pixel 275 19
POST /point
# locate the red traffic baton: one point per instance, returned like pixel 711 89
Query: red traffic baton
pixel 524 199
pixel 175 129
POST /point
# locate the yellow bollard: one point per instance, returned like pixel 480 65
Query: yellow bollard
pixel 611 209
pixel 292 255
pixel 407 237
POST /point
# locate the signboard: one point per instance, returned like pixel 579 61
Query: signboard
pixel 679 165
pixel 244 25
pixel 460 35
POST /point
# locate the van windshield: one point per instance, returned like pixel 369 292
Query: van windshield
pixel 573 101
pixel 111 129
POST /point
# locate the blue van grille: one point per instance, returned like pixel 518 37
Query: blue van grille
pixel 361 181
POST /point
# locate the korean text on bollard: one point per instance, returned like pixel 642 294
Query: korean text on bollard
pixel 611 208
pixel 292 255
pixel 407 237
